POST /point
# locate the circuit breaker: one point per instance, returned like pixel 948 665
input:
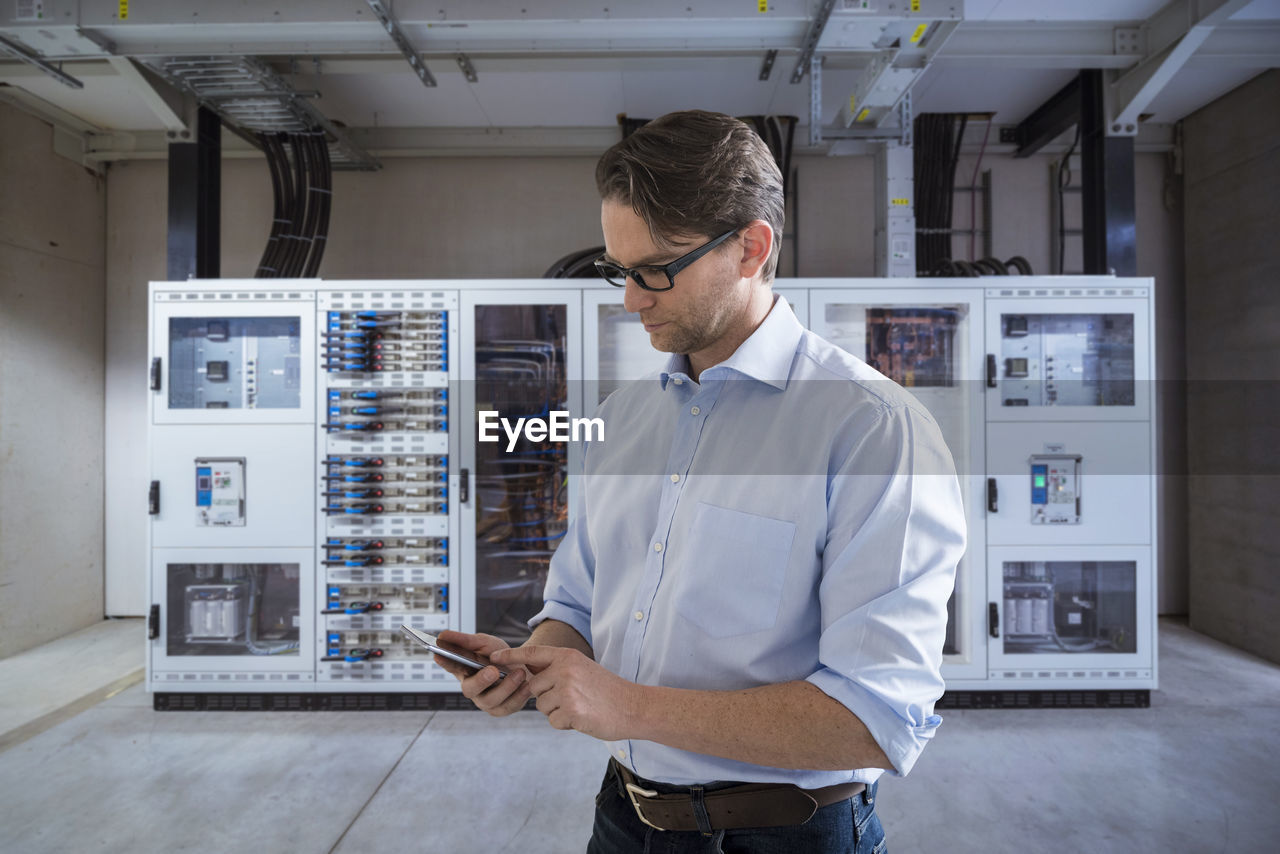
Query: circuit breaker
pixel 220 492
pixel 1055 489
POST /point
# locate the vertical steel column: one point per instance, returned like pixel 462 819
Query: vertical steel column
pixel 195 195
pixel 1108 203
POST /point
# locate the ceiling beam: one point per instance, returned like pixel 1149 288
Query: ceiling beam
pixel 1178 30
pixel 22 53
pixel 1050 120
pixel 392 26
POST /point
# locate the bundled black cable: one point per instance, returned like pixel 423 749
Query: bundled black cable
pixel 302 187
pixel 324 197
pixel 936 141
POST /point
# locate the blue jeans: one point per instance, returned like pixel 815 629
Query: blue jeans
pixel 845 827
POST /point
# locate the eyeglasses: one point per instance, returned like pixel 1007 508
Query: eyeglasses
pixel 617 275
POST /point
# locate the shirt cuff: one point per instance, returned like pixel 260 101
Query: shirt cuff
pixel 901 740
pixel 552 610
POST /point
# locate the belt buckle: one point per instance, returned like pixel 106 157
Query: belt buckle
pixel 633 790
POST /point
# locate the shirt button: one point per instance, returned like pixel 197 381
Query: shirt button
pixel 657 547
pixel 694 411
pixel 639 615
pixel 675 478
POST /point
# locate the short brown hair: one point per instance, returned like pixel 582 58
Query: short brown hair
pixel 696 173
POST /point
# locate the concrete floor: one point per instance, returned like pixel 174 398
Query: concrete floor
pixel 86 765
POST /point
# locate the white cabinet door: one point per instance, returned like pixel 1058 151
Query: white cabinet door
pixel 278 485
pixel 232 618
pixel 521 357
pixel 1061 482
pixel 1069 359
pixel 1071 615
pixel 237 358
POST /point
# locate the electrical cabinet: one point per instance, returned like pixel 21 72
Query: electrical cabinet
pixel 331 460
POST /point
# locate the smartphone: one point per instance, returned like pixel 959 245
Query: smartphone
pixel 466 657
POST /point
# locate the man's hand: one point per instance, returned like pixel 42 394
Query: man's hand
pixel 496 696
pixel 574 692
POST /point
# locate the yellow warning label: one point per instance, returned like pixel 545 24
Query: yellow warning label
pixel 763 5
pixel 915 37
pixel 853 105
pixel 915 5
pixel 900 203
pixel 124 10
pixel 862 116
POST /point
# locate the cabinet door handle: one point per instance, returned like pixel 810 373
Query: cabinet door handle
pixel 993 496
pixel 993 619
pixel 464 486
pixel 153 498
pixel 155 374
pixel 991 371
pixel 153 623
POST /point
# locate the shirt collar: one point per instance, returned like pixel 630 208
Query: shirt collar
pixel 766 355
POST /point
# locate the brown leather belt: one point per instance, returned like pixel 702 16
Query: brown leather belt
pixel 747 805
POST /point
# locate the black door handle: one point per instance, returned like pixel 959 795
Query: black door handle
pixel 155 374
pixel 464 486
pixel 153 499
pixel 993 617
pixel 153 623
pixel 991 371
pixel 993 496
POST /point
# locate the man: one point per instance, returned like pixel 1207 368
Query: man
pixel 753 590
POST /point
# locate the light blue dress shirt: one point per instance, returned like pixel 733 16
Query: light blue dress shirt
pixel 793 515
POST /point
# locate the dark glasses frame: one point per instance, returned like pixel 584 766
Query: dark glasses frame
pixel 617 275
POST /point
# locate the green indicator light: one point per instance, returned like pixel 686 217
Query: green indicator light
pixel 1039 480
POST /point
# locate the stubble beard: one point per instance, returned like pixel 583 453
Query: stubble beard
pixel 705 324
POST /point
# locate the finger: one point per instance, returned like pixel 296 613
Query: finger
pixel 459 671
pixel 547 702
pixel 534 657
pixel 479 682
pixel 512 704
pixel 542 682
pixel 481 643
pixel 504 696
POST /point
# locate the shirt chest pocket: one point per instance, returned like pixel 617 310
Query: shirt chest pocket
pixel 733 570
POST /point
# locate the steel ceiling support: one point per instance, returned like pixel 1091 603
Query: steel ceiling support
pixel 20 52
pixel 1051 120
pixel 815 101
pixel 767 67
pixel 195 194
pixel 1108 208
pixel 1184 26
pixel 811 39
pixel 406 47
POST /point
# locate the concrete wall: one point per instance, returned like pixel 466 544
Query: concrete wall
pixel 52 220
pixel 491 217
pixel 1233 364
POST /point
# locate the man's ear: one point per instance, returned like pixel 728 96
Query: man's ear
pixel 757 244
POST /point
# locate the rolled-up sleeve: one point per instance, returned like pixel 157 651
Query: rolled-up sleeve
pixel 571 575
pixel 895 533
